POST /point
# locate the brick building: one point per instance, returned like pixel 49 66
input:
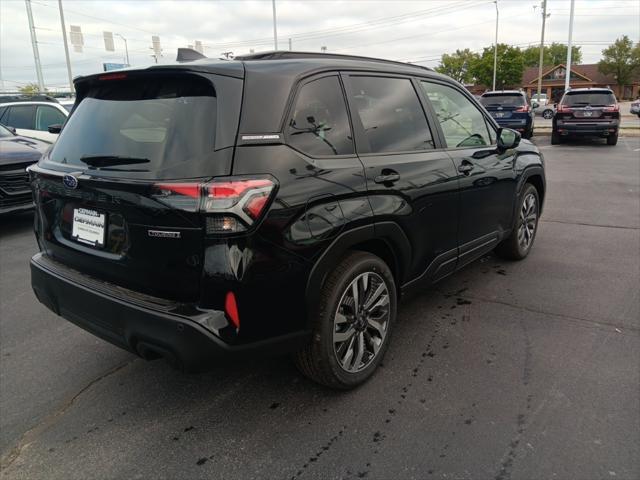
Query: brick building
pixel 587 75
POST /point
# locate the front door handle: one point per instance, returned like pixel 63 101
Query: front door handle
pixel 465 167
pixel 387 176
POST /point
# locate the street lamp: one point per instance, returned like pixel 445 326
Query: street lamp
pixel 126 49
pixel 495 48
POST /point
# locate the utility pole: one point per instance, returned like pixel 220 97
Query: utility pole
pixel 275 28
pixel 66 46
pixel 541 59
pixel 568 74
pixel 289 43
pixel 495 49
pixel 126 49
pixel 34 44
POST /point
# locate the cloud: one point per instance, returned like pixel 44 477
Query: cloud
pixel 400 30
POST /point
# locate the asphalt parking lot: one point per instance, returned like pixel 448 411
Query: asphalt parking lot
pixel 504 370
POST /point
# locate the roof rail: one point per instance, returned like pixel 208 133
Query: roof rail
pixel 285 54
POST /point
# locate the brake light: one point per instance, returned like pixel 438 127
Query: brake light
pixel 231 205
pixel 113 76
pixel 524 108
pixel 612 108
pixel 564 109
pixel 231 309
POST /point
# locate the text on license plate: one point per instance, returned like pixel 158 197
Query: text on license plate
pixel 499 114
pixel 88 227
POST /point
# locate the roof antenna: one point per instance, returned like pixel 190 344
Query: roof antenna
pixel 188 55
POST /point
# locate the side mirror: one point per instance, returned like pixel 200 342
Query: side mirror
pixel 54 128
pixel 11 129
pixel 535 105
pixel 507 139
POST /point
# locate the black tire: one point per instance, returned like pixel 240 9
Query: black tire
pixel 556 139
pixel 612 139
pixel 319 360
pixel 528 134
pixel 512 247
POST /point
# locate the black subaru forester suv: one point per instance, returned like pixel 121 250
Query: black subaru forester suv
pixel 278 202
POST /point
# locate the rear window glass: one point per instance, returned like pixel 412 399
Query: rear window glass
pixel 391 114
pixel 320 125
pixel 503 100
pixel 588 98
pixel 166 125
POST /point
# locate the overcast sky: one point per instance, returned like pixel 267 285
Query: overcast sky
pixel 416 31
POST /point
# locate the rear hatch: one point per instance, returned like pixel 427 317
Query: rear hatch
pixel 588 106
pixel 506 107
pixel 110 195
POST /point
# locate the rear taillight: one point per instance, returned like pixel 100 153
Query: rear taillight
pixel 231 205
pixel 612 108
pixel 524 108
pixel 564 109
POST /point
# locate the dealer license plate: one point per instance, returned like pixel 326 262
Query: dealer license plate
pixel 88 227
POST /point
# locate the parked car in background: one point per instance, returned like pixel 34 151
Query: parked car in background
pixel 67 103
pixel 548 111
pixel 511 109
pixel 280 202
pixel 635 107
pixel 32 118
pixel 587 112
pixel 16 154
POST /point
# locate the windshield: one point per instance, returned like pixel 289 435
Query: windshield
pixel 166 120
pixel 502 100
pixel 588 98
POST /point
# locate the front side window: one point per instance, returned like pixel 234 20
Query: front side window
pixel 462 122
pixel 319 124
pixel 21 116
pixel 391 114
pixel 46 116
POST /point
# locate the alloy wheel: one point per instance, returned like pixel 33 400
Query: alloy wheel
pixel 528 221
pixel 361 321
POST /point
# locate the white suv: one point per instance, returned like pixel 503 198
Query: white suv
pixel 33 118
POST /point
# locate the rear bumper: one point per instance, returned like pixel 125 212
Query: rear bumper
pixel 144 325
pixel 519 124
pixel 591 128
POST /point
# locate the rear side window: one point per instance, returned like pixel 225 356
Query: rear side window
pixel 319 124
pixel 21 116
pixel 391 114
pixel 503 100
pixel 463 125
pixel 165 124
pixel 577 99
pixel 46 116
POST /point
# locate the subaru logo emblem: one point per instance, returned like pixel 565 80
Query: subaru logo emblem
pixel 70 181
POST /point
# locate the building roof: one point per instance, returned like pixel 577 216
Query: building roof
pixel 589 72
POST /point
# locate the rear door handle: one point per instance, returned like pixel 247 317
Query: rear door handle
pixel 387 176
pixel 465 167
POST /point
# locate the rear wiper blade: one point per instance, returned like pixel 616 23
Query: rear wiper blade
pixel 99 161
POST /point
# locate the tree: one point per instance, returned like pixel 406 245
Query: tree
pixel 621 59
pixel 554 54
pixel 30 89
pixel 509 69
pixel 458 65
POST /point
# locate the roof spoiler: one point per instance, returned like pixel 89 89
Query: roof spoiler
pixel 188 55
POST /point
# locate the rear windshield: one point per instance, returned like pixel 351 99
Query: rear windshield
pixel 502 100
pixel 575 99
pixel 166 126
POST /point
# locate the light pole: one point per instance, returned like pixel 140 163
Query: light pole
pixel 541 58
pixel 495 48
pixel 66 46
pixel 34 44
pixel 275 28
pixel 126 49
pixel 568 74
